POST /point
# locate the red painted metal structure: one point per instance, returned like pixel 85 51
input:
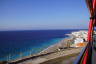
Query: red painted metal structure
pixel 88 52
pixel 86 56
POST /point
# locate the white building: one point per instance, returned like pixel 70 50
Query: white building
pixel 80 34
pixel 78 40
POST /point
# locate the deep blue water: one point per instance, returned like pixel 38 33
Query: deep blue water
pixel 14 43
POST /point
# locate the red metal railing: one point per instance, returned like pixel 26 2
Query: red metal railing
pixel 86 55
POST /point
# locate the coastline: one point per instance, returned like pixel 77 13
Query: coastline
pixel 64 45
pixel 64 55
pixel 55 47
pixel 51 49
pixel 61 44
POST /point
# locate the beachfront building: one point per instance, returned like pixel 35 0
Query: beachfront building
pixel 80 34
pixel 80 38
pixel 79 42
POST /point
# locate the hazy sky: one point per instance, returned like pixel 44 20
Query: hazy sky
pixel 43 14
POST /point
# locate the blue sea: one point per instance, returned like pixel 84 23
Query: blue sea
pixel 13 44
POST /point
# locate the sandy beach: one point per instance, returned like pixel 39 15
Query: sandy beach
pixel 65 56
pixel 61 57
pixel 63 44
pixel 62 52
pixel 53 52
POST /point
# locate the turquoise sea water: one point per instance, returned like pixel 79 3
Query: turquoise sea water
pixel 31 50
pixel 16 44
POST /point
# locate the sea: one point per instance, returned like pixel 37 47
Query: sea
pixel 17 44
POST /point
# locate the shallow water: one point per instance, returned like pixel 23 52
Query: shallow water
pixel 16 44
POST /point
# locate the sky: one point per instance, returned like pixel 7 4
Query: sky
pixel 43 14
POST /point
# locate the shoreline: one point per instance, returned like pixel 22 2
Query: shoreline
pixel 51 49
pixel 67 53
pixel 61 46
pixel 55 46
pixel 62 43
